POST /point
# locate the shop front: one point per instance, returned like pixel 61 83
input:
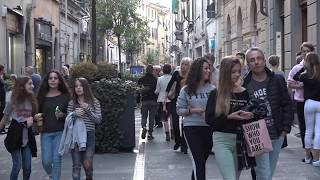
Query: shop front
pixel 43 46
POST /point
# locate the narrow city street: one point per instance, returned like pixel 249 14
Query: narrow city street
pixel 156 160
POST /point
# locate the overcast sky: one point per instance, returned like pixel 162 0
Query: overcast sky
pixel 166 3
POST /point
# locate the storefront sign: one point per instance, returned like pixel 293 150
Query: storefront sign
pixel 12 23
pixel 43 31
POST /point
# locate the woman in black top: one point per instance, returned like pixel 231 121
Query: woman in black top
pixel 177 78
pixel 310 76
pixel 225 115
pixel 53 98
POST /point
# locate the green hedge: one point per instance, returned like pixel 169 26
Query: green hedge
pixel 112 93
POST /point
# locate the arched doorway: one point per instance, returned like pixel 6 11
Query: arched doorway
pixel 228 36
pixel 239 30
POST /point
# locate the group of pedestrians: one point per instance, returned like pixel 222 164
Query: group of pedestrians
pixel 212 104
pixel 158 100
pixel 48 107
pixel 304 80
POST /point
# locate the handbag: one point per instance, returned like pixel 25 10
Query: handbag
pixel 172 92
pixel 257 138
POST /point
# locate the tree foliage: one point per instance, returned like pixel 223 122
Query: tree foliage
pixel 120 18
pixel 149 58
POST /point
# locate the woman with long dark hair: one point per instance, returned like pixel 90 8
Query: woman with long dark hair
pixel 225 115
pixel 310 76
pixel 191 105
pixel 85 107
pixel 20 140
pixel 53 98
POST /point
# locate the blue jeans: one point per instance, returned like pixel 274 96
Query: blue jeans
pixel 84 158
pixel 267 162
pixel 51 160
pixel 21 157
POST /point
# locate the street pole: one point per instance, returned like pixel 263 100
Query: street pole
pixel 93 32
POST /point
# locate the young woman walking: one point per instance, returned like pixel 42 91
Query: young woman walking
pixel 53 98
pixel 20 140
pixel 85 107
pixel 310 76
pixel 191 105
pixel 225 115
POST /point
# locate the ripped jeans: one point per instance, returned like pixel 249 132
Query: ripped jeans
pixel 84 158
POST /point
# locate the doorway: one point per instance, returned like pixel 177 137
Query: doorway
pixel 41 56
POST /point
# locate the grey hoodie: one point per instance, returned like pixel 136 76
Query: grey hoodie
pixel 199 100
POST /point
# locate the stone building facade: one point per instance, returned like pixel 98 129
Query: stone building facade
pixel 277 26
pixel 30 32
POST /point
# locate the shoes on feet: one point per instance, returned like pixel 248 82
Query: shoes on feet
pixel 316 163
pixel 150 137
pixel 176 146
pixel 144 132
pixel 307 161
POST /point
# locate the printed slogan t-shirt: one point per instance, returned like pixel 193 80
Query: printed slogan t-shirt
pixel 258 90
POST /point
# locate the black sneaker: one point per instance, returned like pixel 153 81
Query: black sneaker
pixel 176 146
pixel 144 132
pixel 150 137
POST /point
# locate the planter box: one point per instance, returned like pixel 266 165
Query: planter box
pixel 127 125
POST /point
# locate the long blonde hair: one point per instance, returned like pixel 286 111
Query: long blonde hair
pixel 225 84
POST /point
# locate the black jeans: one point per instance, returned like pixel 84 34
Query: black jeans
pixel 302 123
pixel 175 125
pixel 199 140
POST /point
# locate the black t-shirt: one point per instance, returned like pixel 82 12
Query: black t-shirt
pixel 48 108
pixel 311 85
pixel 258 90
pixel 220 123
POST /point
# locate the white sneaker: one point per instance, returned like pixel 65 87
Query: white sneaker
pixel 307 161
pixel 316 163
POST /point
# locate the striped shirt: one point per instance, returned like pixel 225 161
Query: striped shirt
pixel 92 114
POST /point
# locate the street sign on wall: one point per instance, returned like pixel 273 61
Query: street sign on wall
pixel 212 42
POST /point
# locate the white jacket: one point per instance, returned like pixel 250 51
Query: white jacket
pixel 162 84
